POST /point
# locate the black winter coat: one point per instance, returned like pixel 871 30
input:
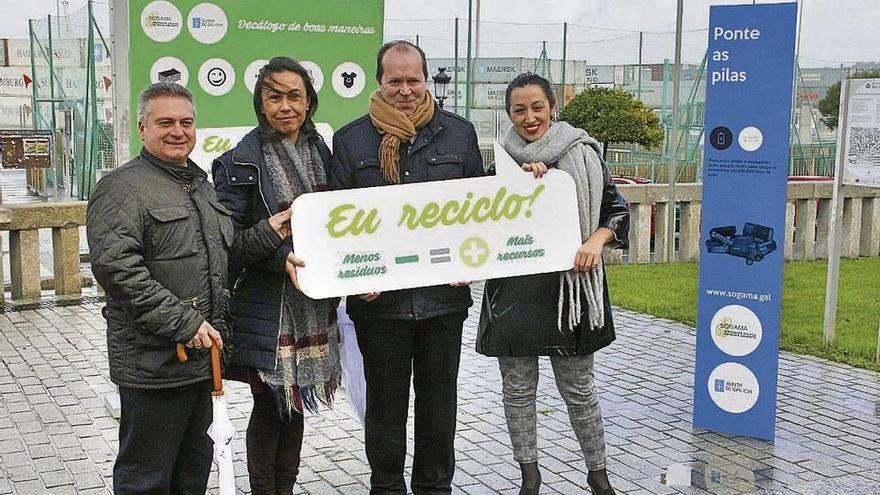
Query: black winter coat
pixel 258 255
pixel 519 316
pixel 446 148
pixel 159 243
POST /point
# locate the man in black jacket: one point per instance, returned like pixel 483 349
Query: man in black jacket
pixel 414 333
pixel 159 243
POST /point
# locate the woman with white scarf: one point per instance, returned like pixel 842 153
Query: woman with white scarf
pixel 564 315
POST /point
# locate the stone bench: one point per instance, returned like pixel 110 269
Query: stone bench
pixel 24 223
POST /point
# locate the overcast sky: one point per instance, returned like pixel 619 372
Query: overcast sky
pixel 600 31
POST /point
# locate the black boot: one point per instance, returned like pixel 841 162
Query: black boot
pixel 290 436
pixel 262 444
pixel 599 484
pixel 531 478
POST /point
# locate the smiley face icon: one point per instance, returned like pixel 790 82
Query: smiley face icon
pixel 216 76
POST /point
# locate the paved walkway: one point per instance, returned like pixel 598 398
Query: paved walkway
pixel 57 436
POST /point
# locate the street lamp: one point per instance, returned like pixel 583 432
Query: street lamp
pixel 441 80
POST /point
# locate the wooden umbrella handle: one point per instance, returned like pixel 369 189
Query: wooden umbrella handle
pixel 215 364
pixel 181 353
pixel 215 368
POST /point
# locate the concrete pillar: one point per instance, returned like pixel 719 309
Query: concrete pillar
pixel 788 235
pixel 805 235
pixel 852 214
pixel 613 257
pixel 689 238
pixel 5 218
pixel 869 240
pixel 2 291
pixel 640 233
pixel 65 248
pixel 823 225
pixel 24 263
pixel 661 214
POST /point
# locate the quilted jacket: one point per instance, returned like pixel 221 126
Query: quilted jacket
pixel 159 243
pixel 258 258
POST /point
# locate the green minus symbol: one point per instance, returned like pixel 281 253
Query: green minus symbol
pixel 402 260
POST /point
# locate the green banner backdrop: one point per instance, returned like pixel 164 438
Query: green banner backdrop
pixel 216 50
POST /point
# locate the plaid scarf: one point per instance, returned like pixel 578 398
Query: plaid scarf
pixel 396 127
pixel 307 367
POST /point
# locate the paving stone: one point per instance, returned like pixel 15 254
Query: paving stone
pixel 74 453
pixel 15 459
pixel 478 489
pixel 30 487
pixel 825 426
pixel 319 487
pixel 11 446
pixel 65 440
pixel 21 474
pixel 54 479
pixel 29 427
pixel 48 464
pixel 339 478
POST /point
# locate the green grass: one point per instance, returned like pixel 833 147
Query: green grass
pixel 669 290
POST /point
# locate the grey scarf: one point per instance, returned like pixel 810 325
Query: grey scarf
pixel 292 167
pixel 307 367
pixel 573 151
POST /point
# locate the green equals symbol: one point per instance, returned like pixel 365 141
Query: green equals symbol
pixel 402 260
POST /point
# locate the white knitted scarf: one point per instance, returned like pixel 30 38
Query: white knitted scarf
pixel 575 152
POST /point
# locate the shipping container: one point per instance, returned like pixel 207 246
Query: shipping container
pixel 67 52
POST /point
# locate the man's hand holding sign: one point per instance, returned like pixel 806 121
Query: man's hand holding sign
pixel 385 238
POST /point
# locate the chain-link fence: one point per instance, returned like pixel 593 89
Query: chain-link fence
pixel 576 56
pixel 70 64
pixel 72 88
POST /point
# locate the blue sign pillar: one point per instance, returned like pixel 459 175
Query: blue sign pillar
pixel 748 111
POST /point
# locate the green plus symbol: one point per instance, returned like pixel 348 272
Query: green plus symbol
pixel 474 252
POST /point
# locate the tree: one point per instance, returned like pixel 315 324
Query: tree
pixel 830 105
pixel 613 116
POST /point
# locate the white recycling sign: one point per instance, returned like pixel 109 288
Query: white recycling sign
pixel 413 235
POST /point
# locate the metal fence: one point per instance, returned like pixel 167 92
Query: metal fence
pixel 70 64
pixel 575 56
pixel 73 98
